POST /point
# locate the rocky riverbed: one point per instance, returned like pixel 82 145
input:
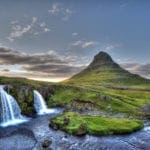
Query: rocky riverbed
pixel 31 136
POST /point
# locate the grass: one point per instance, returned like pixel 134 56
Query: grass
pixel 109 77
pixel 15 81
pixel 128 102
pixel 129 93
pixel 74 123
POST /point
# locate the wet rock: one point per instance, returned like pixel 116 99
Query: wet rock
pixel 46 143
pixel 82 130
pixel 65 136
pixel 54 126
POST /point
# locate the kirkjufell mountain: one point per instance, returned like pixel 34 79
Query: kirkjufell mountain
pixel 103 70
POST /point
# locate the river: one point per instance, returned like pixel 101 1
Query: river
pixel 30 135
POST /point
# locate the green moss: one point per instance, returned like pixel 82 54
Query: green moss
pixel 81 124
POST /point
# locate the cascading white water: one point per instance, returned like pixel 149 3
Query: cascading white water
pixel 40 105
pixel 10 110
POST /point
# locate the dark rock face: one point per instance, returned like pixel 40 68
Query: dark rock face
pixel 102 59
pixel 24 95
pixel 46 91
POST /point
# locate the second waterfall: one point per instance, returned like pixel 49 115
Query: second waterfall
pixel 40 105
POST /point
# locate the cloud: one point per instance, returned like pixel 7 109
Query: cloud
pixel 74 34
pixel 81 48
pixel 19 30
pixel 48 64
pixel 33 28
pixel 55 69
pixel 43 24
pixel 84 44
pixel 55 9
pixel 14 57
pixel 143 70
pixel 88 44
pixel 111 47
pixel 46 29
pixel 59 9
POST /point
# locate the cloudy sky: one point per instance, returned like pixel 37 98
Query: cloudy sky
pixel 52 40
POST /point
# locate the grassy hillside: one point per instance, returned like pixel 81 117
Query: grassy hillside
pixel 104 86
pixel 20 81
pixel 130 103
pixel 103 71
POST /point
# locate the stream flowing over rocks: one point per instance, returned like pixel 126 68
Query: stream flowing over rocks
pixel 31 136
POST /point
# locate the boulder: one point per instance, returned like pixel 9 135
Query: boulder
pixel 105 97
pixel 46 143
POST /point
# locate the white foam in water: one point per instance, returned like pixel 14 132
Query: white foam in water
pixel 10 110
pixel 13 122
pixel 40 105
pixel 147 128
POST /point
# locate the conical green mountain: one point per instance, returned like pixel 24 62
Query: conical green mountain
pixel 104 71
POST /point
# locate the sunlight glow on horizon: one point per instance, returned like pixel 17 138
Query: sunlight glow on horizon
pixel 48 80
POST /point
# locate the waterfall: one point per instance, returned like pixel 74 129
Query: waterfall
pixel 40 105
pixel 9 110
